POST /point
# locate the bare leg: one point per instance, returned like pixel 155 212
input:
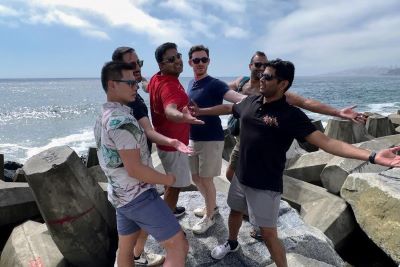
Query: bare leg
pixel 177 248
pixel 140 243
pixel 126 244
pixel 207 189
pixel 274 245
pixel 230 171
pixel 171 196
pixel 234 223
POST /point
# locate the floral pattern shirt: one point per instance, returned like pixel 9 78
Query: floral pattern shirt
pixel 116 129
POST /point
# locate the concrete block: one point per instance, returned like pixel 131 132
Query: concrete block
pixel 375 200
pixel 31 245
pixel 97 173
pixel 16 203
pixel 346 131
pixel 92 159
pixel 73 206
pixel 19 176
pixel 378 126
pixel 309 166
pixel 395 118
pixel 397 130
pixel 296 236
pixel 294 152
pixel 337 170
pixel 313 202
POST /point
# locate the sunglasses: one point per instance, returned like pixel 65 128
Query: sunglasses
pixel 259 65
pixel 197 60
pixel 267 77
pixel 138 62
pixel 130 83
pixel 173 58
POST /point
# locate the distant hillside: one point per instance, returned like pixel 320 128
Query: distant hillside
pixel 366 71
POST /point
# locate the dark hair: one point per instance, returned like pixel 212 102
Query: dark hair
pixel 113 71
pixel 160 51
pixel 284 70
pixel 197 48
pixel 120 52
pixel 257 53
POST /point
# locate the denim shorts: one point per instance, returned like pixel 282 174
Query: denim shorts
pixel 150 213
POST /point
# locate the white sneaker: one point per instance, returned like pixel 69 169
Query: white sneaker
pixel 149 259
pixel 203 225
pixel 200 212
pixel 220 251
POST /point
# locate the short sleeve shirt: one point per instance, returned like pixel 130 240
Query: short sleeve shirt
pixel 165 90
pixel 267 131
pixel 207 92
pixel 117 129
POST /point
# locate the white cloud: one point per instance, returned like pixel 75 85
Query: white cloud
pixel 235 32
pixel 6 11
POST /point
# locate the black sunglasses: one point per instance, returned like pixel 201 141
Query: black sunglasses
pixel 197 60
pixel 173 58
pixel 259 65
pixel 138 62
pixel 267 77
pixel 130 83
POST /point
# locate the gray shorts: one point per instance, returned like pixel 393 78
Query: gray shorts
pixel 262 205
pixel 176 163
pixel 150 213
pixel 207 161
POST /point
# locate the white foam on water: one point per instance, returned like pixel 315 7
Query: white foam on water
pixel 384 108
pixel 79 142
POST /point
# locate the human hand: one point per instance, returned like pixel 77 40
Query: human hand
pixel 170 180
pixel 193 108
pixel 181 147
pixel 388 157
pixel 349 114
pixel 188 118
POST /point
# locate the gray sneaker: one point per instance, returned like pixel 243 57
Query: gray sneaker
pixel 149 259
pixel 200 212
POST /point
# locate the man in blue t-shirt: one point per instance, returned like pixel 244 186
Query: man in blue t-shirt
pixel 207 140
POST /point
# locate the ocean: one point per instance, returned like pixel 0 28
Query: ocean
pixel 36 114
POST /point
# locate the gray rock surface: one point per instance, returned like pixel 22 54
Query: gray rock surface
pixel 297 260
pixel 297 237
pixel 378 126
pixel 375 200
pixel 336 171
pixel 30 244
pixel 73 205
pixel 346 131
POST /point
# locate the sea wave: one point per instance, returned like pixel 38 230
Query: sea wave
pixel 79 142
pixel 47 112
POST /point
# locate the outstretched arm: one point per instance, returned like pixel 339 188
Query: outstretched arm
pixel 318 107
pixel 162 139
pixel 173 114
pixel 385 157
pixel 222 109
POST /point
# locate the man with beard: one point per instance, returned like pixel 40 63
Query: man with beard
pixel 269 126
pixel 171 117
pixel 140 112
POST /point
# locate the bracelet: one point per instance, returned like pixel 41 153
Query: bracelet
pixel 371 157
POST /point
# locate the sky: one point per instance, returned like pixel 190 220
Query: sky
pixel 74 38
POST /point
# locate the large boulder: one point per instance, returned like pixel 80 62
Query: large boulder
pixel 378 126
pixel 375 200
pixel 395 118
pixel 296 236
pixel 313 202
pixel 347 131
pixel 30 244
pixel 336 171
pixel 309 166
pixel 16 203
pixel 73 206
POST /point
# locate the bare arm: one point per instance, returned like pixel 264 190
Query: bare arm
pixel 135 168
pixel 222 109
pixel 173 114
pixel 385 157
pixel 318 107
pixel 233 96
pixel 162 139
pixel 234 85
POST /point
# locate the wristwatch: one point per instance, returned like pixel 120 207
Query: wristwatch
pixel 371 157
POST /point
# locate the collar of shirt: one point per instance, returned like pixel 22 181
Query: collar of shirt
pixel 116 105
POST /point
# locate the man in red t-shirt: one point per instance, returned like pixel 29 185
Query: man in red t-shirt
pixel 171 117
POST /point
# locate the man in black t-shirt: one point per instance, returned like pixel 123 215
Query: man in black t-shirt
pixel 268 126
